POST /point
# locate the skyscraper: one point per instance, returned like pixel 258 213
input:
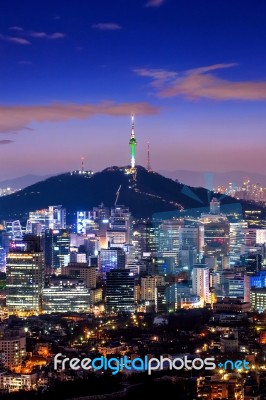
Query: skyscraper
pixel 25 272
pixel 57 248
pixel 120 290
pixel 200 282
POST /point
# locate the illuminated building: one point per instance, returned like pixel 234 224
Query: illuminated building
pixel 121 221
pixel 13 228
pixel 236 240
pixel 148 287
pixel 13 346
pixel 120 290
pixel 216 387
pixel 160 299
pixel 66 294
pixel 113 258
pixel 258 281
pixel 216 234
pixel 192 236
pixel 83 220
pixel 57 249
pixel 168 239
pixel 81 271
pixel 260 236
pixel 116 238
pixel 16 382
pixel 145 237
pixel 258 299
pixel 201 282
pixel 52 218
pixel 236 285
pixel 2 259
pixel 25 271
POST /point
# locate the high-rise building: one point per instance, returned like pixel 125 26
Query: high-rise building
pixel 57 249
pixel 66 294
pixel 52 218
pixel 237 239
pixel 121 222
pixel 148 287
pixel 113 258
pixel 201 282
pixel 169 239
pixel 83 272
pixel 25 277
pixel 258 299
pixel 13 228
pixel 145 237
pixel 120 290
pixel 13 348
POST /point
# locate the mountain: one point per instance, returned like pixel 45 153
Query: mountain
pixel 150 193
pixel 22 181
pixel 214 179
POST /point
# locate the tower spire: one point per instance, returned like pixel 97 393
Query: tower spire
pixel 82 165
pixel 148 158
pixel 132 144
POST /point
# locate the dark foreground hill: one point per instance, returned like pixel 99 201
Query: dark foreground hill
pixel 151 193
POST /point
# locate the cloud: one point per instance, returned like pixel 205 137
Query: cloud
pixel 16 28
pixel 45 35
pixel 106 26
pixel 13 39
pixel 202 83
pixel 16 118
pixel 154 3
pixel 5 141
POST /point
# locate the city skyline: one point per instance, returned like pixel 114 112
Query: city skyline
pixel 73 75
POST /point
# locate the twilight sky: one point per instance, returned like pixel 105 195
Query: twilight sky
pixel 72 72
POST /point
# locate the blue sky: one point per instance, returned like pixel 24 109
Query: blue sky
pixel 72 72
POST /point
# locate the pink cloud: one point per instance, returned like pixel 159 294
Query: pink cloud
pixel 106 26
pixel 201 83
pixel 16 118
pixel 14 39
pixel 154 3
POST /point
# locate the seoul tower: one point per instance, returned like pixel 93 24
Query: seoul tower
pixel 132 144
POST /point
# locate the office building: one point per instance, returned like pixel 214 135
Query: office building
pixel 83 272
pixel 148 286
pixel 201 282
pixel 25 277
pixel 113 258
pixel 57 249
pixel 258 299
pixel 66 294
pixel 120 291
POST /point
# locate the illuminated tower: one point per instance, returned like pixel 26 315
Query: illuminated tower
pixel 132 144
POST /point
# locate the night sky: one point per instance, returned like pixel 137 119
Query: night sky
pixel 72 72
